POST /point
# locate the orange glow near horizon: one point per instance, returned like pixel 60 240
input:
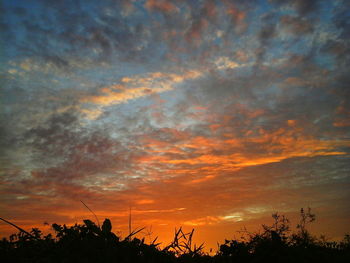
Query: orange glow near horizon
pixel 205 114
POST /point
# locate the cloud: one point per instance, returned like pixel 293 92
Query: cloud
pixel 194 34
pixel 342 118
pixel 162 6
pixel 302 7
pixel 265 36
pixel 230 154
pixel 296 25
pixel 237 17
pixel 225 63
pixel 195 113
pixel 305 7
pixel 137 87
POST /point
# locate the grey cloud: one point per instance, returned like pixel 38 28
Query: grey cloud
pixel 303 7
pixel 77 32
pixel 306 6
pixel 265 36
pixel 296 25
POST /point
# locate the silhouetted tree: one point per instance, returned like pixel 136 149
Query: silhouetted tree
pixel 89 242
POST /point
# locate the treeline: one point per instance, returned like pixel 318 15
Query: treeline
pixel 89 242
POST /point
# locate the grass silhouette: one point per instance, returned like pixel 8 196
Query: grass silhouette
pixel 89 242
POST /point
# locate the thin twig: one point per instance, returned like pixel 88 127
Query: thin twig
pixel 134 232
pixel 98 222
pixel 20 229
pixel 129 220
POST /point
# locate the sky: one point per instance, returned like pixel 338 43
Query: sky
pixel 202 114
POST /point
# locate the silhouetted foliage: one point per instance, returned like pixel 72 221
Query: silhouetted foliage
pixel 89 242
pixel 275 244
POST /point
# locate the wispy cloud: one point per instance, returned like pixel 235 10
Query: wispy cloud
pixel 136 87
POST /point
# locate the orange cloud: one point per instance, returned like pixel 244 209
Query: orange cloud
pixel 342 123
pixel 342 116
pixel 194 155
pixel 145 202
pixel 296 25
pixel 237 16
pixel 194 34
pixel 225 63
pixel 134 87
pixel 210 9
pixel 161 5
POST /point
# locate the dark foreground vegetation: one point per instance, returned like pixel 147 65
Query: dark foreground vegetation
pixel 89 242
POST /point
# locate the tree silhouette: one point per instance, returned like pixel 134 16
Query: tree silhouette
pixel 89 242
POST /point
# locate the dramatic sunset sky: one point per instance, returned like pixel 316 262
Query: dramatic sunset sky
pixel 204 114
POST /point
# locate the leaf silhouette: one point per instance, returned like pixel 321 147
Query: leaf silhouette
pixel 106 226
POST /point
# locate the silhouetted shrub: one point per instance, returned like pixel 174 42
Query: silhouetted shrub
pixel 91 243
